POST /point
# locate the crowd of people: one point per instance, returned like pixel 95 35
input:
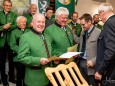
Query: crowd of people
pixel 27 41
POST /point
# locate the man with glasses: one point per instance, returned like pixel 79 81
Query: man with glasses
pixel 7 24
pixel 88 45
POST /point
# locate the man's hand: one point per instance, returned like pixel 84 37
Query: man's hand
pixel 98 76
pixel 90 63
pixel 44 61
pixel 74 31
pixel 56 61
pixel 6 26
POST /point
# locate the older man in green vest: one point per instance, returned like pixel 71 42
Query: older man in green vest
pixel 34 51
pixel 14 44
pixel 60 32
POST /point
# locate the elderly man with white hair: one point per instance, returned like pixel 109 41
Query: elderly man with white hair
pixel 60 32
pixel 14 45
pixel 105 62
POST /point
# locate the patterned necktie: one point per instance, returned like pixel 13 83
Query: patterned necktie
pixel 46 47
pixel 85 36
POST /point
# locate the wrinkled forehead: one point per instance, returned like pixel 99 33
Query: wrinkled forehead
pixel 63 15
pixel 39 18
pixel 33 6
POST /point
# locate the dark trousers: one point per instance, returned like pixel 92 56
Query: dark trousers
pixel 2 65
pixel 83 69
pixel 20 68
pixel 11 65
pixel 6 52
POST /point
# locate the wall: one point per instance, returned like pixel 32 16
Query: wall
pixel 112 2
pixel 90 6
pixel 87 6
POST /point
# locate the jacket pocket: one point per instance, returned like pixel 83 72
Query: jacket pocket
pixel 92 41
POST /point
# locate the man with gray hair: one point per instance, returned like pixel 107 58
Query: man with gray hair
pixel 60 32
pixel 105 62
pixel 7 24
pixel 14 45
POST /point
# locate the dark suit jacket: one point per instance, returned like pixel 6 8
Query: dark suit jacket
pixel 106 48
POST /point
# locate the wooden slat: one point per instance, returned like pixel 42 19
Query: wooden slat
pixel 60 78
pixel 74 77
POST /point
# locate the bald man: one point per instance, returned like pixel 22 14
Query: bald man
pixel 34 50
pixel 29 16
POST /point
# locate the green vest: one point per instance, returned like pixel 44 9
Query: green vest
pixel 60 40
pixel 31 50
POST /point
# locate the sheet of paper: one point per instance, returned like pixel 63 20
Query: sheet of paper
pixel 65 56
pixel 69 54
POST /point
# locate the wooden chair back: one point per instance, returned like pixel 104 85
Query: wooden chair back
pixel 65 75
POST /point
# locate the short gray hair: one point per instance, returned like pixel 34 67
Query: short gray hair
pixel 19 17
pixel 61 10
pixel 105 7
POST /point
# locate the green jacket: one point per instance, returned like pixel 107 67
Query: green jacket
pixel 31 50
pixel 5 34
pixel 14 41
pixel 29 20
pixel 60 41
pixel 99 26
pixel 77 27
